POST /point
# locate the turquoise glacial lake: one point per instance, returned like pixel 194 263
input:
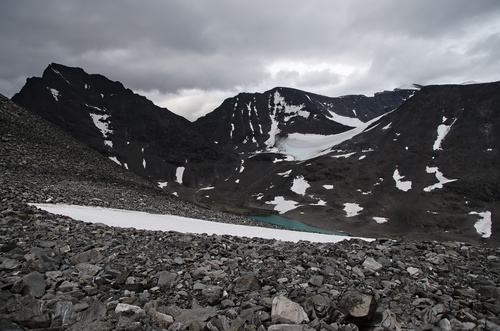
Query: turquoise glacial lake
pixel 292 224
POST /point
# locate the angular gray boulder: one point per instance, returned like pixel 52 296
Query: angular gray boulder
pixel 285 310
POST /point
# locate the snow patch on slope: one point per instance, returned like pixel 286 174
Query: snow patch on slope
pixel 57 72
pixel 115 160
pixel 402 185
pixel 352 209
pixel 306 146
pixel 157 222
pixel 282 205
pixel 353 122
pixel 179 173
pixel 442 131
pixel 483 226
pixel 300 185
pixel 101 122
pixel 439 176
pixel 285 174
pixel 380 220
pixel 55 93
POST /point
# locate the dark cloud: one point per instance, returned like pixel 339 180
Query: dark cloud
pixel 172 50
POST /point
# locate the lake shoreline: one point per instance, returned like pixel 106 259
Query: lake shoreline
pixel 293 224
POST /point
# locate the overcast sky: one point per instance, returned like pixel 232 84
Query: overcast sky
pixel 190 55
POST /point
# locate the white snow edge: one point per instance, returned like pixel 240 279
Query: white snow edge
pixel 156 222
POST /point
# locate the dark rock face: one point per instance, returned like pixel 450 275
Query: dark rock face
pixel 146 139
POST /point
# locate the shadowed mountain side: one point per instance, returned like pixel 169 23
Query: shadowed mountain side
pixel 426 171
pixel 142 137
pixel 42 163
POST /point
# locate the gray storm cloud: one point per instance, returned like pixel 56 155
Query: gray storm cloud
pixel 173 50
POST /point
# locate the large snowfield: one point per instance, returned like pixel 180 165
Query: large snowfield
pixel 156 222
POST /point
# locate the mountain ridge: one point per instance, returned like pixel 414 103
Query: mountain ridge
pixel 251 122
pixel 150 141
pixel 401 174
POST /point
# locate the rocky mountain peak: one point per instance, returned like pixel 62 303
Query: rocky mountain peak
pixel 253 122
pixel 128 128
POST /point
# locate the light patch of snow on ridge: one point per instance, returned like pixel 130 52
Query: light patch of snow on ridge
pixel 232 130
pixel 100 121
pixel 282 205
pixel 328 187
pixel 156 222
pixel 380 220
pixel 408 87
pixel 483 226
pixel 287 158
pixel 353 122
pixel 55 93
pixel 96 108
pixel 343 155
pixel 271 141
pixel 57 72
pixel 179 172
pixel 442 131
pixel 285 174
pixel 471 82
pixel 300 185
pixel 162 184
pixel 402 185
pixel 388 126
pixel 439 176
pixel 319 203
pixel 352 209
pixel 249 108
pixel 289 109
pixel 306 146
pixel 242 167
pixel 114 159
pixel 144 163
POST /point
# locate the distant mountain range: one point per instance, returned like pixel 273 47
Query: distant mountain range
pixel 252 122
pixel 419 162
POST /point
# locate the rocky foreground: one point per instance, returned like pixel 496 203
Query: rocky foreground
pixel 57 273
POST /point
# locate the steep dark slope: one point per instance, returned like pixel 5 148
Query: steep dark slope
pixel 252 122
pixel 40 162
pixel 146 139
pixel 32 147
